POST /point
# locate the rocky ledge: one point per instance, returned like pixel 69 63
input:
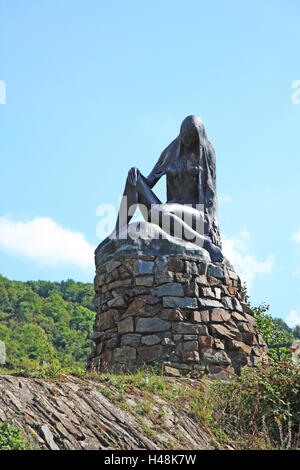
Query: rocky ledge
pixel 71 413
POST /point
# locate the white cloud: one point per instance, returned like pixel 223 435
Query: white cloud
pixel 296 237
pixel 237 251
pixel 293 318
pixel 44 241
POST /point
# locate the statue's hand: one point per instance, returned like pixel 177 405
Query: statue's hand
pixel 133 175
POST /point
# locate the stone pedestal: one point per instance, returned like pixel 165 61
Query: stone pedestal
pixel 178 311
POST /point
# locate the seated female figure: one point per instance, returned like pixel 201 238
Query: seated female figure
pixel 190 212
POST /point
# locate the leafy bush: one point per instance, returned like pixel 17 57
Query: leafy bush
pixel 272 331
pixel 11 438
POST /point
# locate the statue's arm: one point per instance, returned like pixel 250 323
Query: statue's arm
pixel 158 171
pixel 160 168
pixel 152 179
pixel 134 174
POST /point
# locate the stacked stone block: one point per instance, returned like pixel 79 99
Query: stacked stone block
pixel 174 311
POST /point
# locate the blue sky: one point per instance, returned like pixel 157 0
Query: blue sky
pixel 94 87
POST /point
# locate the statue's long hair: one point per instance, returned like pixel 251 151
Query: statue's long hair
pixel 173 153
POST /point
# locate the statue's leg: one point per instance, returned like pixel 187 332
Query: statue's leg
pixel 140 195
pixel 192 219
pixel 179 222
pixel 185 223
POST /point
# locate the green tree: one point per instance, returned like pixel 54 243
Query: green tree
pixel 282 325
pixel 296 331
pixel 43 321
pixel 4 300
pixel 35 343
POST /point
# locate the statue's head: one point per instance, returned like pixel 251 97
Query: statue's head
pixel 191 131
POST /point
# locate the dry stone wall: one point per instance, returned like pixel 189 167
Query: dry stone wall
pixel 176 312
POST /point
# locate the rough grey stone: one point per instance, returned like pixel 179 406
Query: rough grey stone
pixel 126 325
pixel 191 267
pixel 125 354
pixel 97 336
pixel 111 343
pixel 171 289
pixel 207 292
pixel 217 357
pixel 227 302
pixel 192 289
pixel 151 325
pixel 162 278
pixel 177 338
pixel 48 436
pixel 143 267
pixel 150 340
pixel 233 275
pixel 247 309
pixel 250 319
pixel 219 315
pixel 215 271
pixel 117 302
pixel 150 353
pixel 181 302
pixel 112 265
pixel 204 316
pixel 108 319
pixel 190 346
pixel 183 328
pixel 161 266
pixel 237 305
pixel 217 291
pixel 219 344
pixel 144 281
pixel 225 332
pixel 238 317
pixel 131 339
pixel 202 268
pixel 190 337
pixel 210 303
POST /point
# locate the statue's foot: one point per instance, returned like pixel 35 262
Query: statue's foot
pixel 214 251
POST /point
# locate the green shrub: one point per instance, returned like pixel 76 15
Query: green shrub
pixel 11 438
pixel 272 331
pixel 262 401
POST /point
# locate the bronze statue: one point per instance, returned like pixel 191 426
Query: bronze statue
pixel 189 164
